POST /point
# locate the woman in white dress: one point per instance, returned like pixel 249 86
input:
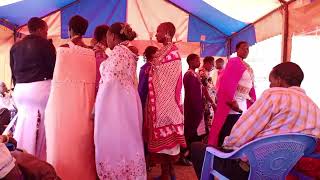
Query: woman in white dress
pixel 118 113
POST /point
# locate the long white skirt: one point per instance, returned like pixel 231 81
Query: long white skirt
pixel 118 133
pixel 31 100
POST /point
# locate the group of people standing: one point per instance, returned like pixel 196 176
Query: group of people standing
pixel 88 124
pixel 219 96
pixel 86 113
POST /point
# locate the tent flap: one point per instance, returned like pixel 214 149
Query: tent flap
pixel 211 15
pixel 96 12
pixel 213 49
pixel 248 35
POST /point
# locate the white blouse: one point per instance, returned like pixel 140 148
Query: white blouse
pixel 242 92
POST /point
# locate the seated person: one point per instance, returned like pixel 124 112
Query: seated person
pixel 5 117
pixel 20 165
pixel 284 108
pixel 8 168
pixel 6 100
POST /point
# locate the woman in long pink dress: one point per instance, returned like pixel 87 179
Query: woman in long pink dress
pixel 69 128
pixel 118 112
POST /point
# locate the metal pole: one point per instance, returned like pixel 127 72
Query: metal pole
pixel 285 33
pixel 15 35
pixel 229 47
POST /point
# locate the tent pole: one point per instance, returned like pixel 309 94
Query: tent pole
pixel 229 47
pixel 285 33
pixel 15 35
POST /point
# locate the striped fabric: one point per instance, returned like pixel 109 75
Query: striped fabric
pixel 278 111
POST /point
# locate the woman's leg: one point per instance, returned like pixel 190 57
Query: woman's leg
pixel 165 171
pixel 172 170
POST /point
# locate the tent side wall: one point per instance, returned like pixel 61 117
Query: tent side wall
pixel 6 41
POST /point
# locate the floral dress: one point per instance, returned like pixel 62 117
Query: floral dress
pixel 118 119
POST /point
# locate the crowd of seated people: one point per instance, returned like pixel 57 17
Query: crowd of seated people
pixel 89 97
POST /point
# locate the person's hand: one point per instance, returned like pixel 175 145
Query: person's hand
pixel 92 114
pixel 8 139
pixel 12 141
pixel 234 106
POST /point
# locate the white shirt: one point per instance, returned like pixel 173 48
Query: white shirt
pixel 241 97
pixel 7 162
pixel 6 102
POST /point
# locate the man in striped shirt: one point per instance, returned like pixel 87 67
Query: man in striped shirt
pixel 284 108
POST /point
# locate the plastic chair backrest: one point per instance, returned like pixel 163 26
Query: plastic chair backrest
pixel 273 157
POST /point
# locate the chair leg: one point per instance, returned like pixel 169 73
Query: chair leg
pixel 207 166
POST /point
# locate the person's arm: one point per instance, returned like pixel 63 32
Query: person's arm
pixel 251 123
pixel 207 96
pixel 51 60
pixel 143 84
pixel 204 81
pixel 4 139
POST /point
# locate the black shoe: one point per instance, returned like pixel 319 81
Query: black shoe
pixel 185 162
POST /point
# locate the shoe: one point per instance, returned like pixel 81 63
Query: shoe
pixel 185 162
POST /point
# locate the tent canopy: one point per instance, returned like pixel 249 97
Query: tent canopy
pixel 216 25
pixel 18 12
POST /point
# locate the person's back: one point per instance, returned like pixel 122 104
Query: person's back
pixel 68 113
pixel 284 108
pixel 118 113
pixel 279 110
pixel 32 62
pixel 75 64
pixel 292 111
pixel 32 59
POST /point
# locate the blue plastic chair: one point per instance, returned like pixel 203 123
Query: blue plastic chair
pixel 270 157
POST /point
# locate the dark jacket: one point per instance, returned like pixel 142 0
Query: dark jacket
pixel 32 59
pixel 193 104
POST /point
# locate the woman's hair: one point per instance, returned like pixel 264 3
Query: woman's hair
pixel 36 23
pixel 208 59
pixel 290 72
pixel 219 60
pixel 239 44
pixel 123 31
pixel 100 32
pixel 170 28
pixel 149 51
pixel 191 57
pixel 79 25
